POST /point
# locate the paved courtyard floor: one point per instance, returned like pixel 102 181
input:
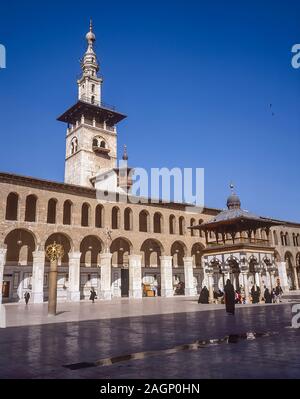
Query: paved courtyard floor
pixel 174 338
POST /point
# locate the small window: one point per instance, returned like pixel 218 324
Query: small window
pixel 93 88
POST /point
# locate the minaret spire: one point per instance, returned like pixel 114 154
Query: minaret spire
pixel 89 83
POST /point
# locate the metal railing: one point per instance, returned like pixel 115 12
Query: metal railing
pixel 98 103
pixel 240 240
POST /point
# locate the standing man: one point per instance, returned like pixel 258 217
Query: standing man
pixel 155 286
pixel 278 292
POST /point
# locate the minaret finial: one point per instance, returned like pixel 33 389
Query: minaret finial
pixel 125 155
pixel 90 36
pixel 231 186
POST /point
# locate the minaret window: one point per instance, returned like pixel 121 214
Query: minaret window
pixel 93 88
pixel 100 145
pixel 74 145
pixel 93 100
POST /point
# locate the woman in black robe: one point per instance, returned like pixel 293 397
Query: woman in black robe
pixel 255 293
pixel 204 295
pixel 229 297
pixel 267 296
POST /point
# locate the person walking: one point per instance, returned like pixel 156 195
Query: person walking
pixel 273 295
pixel 278 292
pixel 27 297
pixel 93 295
pixel 229 298
pixel 267 295
pixel 204 295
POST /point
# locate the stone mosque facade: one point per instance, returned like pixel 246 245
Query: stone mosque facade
pixel 147 240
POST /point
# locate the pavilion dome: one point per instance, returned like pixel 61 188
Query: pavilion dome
pixel 233 201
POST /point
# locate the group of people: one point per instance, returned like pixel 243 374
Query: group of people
pixel 231 297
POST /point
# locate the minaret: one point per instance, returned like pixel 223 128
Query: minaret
pixel 89 85
pixel 91 141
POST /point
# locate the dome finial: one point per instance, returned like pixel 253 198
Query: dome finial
pixel 91 25
pixel 233 201
pixel 125 155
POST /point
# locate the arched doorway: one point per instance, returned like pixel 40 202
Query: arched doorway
pixel 17 277
pixel 90 248
pixel 196 253
pixel 178 252
pixel 120 249
pixel 151 251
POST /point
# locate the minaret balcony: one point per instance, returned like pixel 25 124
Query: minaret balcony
pixel 101 150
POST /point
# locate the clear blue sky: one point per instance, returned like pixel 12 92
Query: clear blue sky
pixel 196 79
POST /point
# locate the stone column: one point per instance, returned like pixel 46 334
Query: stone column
pixel 166 275
pixel 105 283
pixel 38 276
pixel 246 287
pixel 2 263
pixel 283 276
pixel 272 279
pixel 211 287
pixel 296 278
pixel 135 276
pixel 189 289
pixel 74 277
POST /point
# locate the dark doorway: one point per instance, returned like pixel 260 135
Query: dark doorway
pixel 5 289
pixel 124 282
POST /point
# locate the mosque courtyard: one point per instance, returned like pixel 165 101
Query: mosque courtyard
pixel 150 338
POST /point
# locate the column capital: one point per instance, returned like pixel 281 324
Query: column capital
pixel 38 254
pixel 106 255
pixel 134 257
pixel 188 259
pixel 3 251
pixel 74 255
pixel 166 258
